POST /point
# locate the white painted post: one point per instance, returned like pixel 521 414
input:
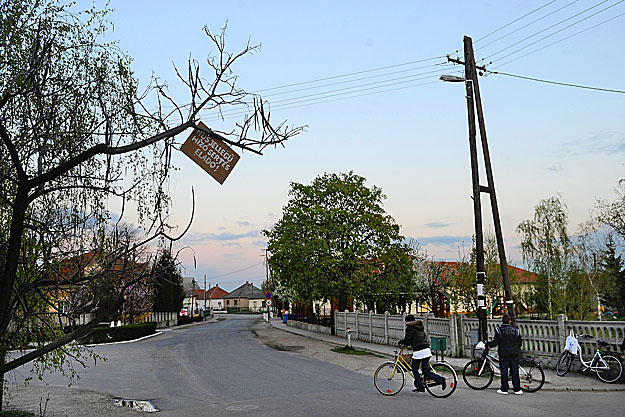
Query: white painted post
pixel 370 326
pixel 386 314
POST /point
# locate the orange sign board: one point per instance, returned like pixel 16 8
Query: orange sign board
pixel 211 154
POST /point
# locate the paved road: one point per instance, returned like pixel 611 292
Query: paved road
pixel 239 367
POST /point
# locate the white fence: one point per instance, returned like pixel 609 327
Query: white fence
pixel 541 338
pixel 162 319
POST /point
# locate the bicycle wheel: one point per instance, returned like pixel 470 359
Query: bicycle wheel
pixel 614 371
pixel 564 363
pixel 389 379
pixel 531 374
pixel 475 378
pixel 451 380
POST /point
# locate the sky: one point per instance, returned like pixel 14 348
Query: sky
pixel 392 121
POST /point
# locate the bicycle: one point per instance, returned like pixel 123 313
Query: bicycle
pixel 390 377
pixel 607 367
pixel 479 373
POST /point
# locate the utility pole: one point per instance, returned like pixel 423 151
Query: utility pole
pixel 474 99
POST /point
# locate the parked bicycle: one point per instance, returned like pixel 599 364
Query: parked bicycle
pixel 607 366
pixel 478 374
pixel 390 377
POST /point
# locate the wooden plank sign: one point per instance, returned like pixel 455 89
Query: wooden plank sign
pixel 211 154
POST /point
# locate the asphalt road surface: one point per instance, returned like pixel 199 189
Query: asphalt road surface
pixel 240 366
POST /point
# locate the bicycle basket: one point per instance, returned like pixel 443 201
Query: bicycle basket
pixel 478 350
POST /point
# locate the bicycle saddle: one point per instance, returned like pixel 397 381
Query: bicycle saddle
pixel 602 343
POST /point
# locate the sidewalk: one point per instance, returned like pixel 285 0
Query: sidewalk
pixel 570 382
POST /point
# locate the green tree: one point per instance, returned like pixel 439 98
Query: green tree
pixel 167 281
pixel 613 278
pixel 612 214
pixel 546 248
pixel 75 134
pixel 335 241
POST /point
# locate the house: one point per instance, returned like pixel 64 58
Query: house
pixel 190 304
pixel 246 297
pixel 216 297
pixel 77 276
pixel 213 298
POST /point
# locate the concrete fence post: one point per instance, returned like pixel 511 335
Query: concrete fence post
pixel 562 329
pixel 453 334
pixel 357 324
pixel 386 314
pixel 370 326
pixel 345 316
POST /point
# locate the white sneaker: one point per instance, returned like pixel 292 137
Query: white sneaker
pixel 499 391
pixel 519 392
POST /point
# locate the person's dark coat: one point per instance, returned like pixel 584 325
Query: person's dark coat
pixel 508 341
pixel 415 336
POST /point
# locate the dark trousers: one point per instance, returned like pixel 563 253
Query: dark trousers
pixel 427 373
pixel 509 366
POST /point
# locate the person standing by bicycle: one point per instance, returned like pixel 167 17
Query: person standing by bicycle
pixel 508 341
pixel 418 340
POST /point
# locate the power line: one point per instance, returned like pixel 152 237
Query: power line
pixel 311 102
pixel 556 32
pixel 514 21
pixel 561 40
pixel 527 25
pixel 348 74
pixel 558 83
pixel 333 92
pixel 234 272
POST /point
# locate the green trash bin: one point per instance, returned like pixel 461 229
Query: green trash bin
pixel 439 344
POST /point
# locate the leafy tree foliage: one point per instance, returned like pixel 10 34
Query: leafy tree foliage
pixel 167 280
pixel 547 248
pixel 335 241
pixel 613 278
pixel 76 134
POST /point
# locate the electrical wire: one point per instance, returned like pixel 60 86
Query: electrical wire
pixel 554 33
pixel 557 82
pixel 514 21
pixel 311 102
pixel 348 74
pixel 234 272
pixel 329 98
pixel 355 88
pixel 527 25
pixel 561 40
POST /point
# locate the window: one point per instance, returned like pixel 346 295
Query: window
pixel 235 302
pixel 255 304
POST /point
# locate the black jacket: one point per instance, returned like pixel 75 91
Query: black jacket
pixel 508 339
pixel 415 336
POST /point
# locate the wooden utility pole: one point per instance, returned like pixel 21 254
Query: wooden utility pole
pixel 473 93
pixel 469 71
pixel 503 262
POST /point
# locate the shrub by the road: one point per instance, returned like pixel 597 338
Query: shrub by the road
pixel 119 334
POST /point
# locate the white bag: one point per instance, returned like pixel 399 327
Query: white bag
pixel 571 343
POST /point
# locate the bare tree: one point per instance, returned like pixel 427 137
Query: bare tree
pixel 76 132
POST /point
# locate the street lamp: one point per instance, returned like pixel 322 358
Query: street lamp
pixel 452 78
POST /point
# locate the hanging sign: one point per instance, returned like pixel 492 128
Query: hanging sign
pixel 210 153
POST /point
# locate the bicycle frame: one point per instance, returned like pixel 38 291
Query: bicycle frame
pixel 495 361
pixel 595 364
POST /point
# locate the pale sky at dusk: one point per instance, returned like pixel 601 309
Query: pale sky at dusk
pixel 399 127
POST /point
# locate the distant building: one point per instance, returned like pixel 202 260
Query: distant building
pixel 213 298
pixel 247 296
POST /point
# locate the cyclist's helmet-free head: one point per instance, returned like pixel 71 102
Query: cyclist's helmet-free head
pixel 409 317
pixel 505 319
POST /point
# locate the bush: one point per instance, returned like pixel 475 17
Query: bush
pixel 119 334
pixel 184 320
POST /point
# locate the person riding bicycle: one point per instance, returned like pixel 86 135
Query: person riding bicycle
pixel 508 339
pixel 418 340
